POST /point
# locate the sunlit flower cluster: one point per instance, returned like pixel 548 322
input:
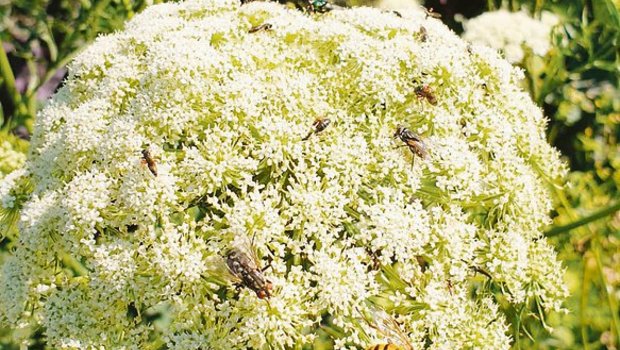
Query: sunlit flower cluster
pixel 398 4
pixel 346 224
pixel 510 32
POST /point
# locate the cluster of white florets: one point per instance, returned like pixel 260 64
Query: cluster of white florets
pixel 510 32
pixel 347 224
pixel 398 4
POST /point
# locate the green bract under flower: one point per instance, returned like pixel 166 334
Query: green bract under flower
pixel 351 230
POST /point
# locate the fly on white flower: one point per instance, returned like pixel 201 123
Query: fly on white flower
pixel 264 27
pixel 244 265
pixel 424 92
pixel 413 141
pixel 147 159
pixel 240 173
pixel 318 125
pixel 429 12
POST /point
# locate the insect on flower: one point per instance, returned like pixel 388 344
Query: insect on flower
pixel 319 6
pixel 425 92
pixel 388 346
pixel 413 141
pixel 422 34
pixel 318 125
pixel 430 13
pixel 244 265
pixel 264 26
pixel 149 161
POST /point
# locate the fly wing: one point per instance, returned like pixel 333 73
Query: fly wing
pixel 418 147
pixel 412 143
pixel 244 245
pixel 220 272
pixel 409 135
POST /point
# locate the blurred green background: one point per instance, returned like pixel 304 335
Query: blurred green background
pixel 576 83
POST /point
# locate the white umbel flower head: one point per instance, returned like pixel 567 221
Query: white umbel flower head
pixel 510 31
pixel 187 152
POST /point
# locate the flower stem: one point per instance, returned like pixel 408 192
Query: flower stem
pixel 8 79
pixel 585 285
pixel 490 5
pixel 584 221
pixel 615 329
pixel 72 263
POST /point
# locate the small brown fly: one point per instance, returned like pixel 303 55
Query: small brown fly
pixel 264 26
pixel 413 141
pixel 422 34
pixel 425 92
pixel 318 125
pixel 149 161
pixel 430 13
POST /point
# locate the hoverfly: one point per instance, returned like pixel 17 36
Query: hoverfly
pixel 264 26
pixel 425 92
pixel 470 49
pixel 485 87
pixel 244 265
pixel 422 34
pixel 318 125
pixel 149 161
pixel 388 346
pixel 375 263
pixel 422 262
pixel 413 141
pixel 430 13
pixel 394 12
pixel 478 269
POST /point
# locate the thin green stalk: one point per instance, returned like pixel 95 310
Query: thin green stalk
pixel 54 68
pixel 71 262
pixel 570 211
pixel 584 221
pixel 7 74
pixel 531 82
pixel 613 308
pixel 553 134
pixel 30 100
pixel 32 69
pixel 517 332
pixel 585 285
pixel 491 5
pixel 67 46
pixel 9 82
pixel 538 8
pixel 514 6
